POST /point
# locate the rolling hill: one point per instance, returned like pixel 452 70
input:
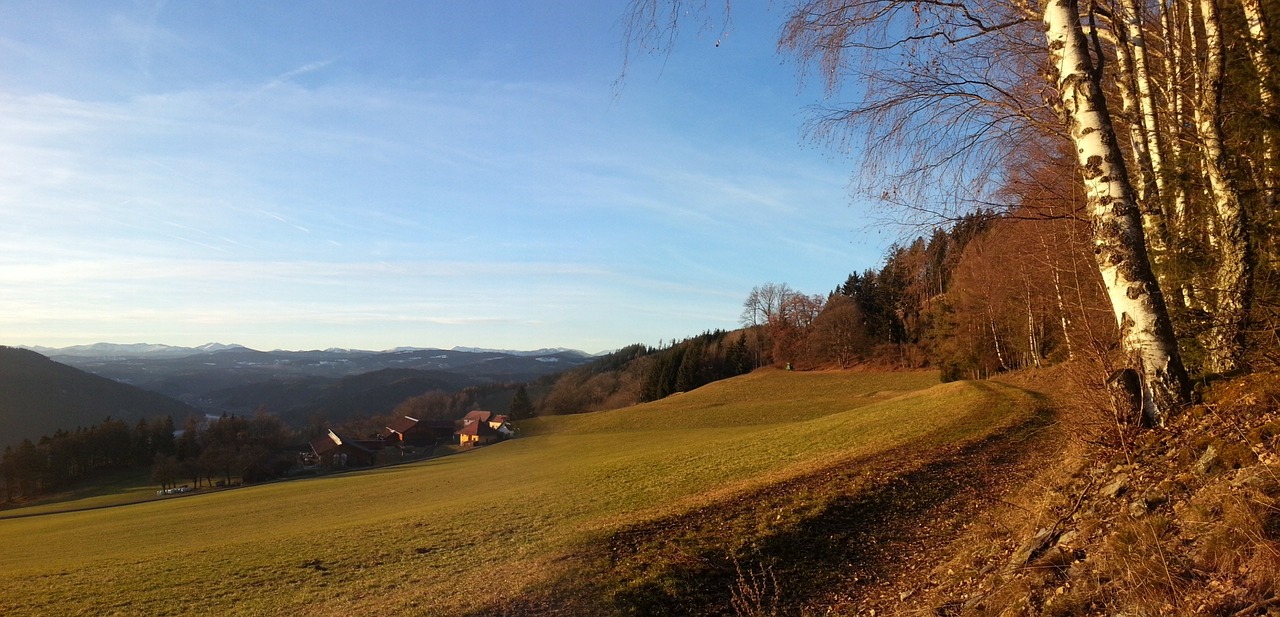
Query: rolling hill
pixel 299 401
pixel 301 384
pixel 39 396
pixel 540 518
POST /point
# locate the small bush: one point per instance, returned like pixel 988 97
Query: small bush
pixel 755 593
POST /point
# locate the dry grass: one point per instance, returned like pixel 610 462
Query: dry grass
pixel 1179 521
pixel 416 538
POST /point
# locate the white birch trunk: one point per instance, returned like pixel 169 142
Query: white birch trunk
pixel 1149 152
pixel 1055 267
pixel 1142 78
pixel 1265 65
pixel 1146 334
pixel 1126 87
pixel 1173 58
pixel 1032 342
pixel 1173 193
pixel 995 337
pixel 1147 191
pixel 1233 280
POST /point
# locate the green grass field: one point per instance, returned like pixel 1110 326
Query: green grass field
pixel 451 535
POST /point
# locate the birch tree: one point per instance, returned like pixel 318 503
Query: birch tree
pixel 1146 333
pixel 1233 281
pixel 946 87
pixel 1134 86
pixel 1264 64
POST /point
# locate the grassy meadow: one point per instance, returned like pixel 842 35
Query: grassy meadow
pixel 110 489
pixel 451 535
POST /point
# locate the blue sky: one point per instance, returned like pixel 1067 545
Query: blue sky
pixel 302 175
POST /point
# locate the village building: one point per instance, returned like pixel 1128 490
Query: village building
pixel 499 423
pixel 336 452
pixel 482 427
pixel 407 431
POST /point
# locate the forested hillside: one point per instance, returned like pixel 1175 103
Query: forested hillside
pixel 39 396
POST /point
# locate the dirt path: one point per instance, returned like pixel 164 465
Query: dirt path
pixel 859 537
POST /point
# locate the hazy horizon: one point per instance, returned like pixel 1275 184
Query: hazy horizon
pixel 221 345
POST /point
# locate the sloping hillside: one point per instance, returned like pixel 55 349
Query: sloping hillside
pixel 530 515
pixel 1183 520
pixel 39 396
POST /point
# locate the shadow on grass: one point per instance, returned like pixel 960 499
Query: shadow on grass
pixel 827 539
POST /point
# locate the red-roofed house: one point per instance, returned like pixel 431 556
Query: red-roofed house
pixel 337 452
pixel 410 431
pixel 476 434
pixel 482 427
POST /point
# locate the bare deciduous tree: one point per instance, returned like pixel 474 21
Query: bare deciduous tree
pixel 764 303
pixel 945 86
pixel 840 333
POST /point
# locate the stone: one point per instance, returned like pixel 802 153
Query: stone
pixel 1031 548
pixel 1116 487
pixel 1208 462
pixel 1067 538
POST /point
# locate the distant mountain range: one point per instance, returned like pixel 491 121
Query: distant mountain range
pixel 298 385
pixel 128 350
pixel 151 350
pixel 194 372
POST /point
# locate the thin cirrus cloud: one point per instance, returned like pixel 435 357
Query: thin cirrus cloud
pixel 303 199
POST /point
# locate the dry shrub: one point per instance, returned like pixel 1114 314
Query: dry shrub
pixel 1092 414
pixel 1235 455
pixel 1075 602
pixel 1261 390
pixel 755 593
pixel 1266 435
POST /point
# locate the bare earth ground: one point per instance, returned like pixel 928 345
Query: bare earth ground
pixel 858 538
pixel 1183 520
pixel 1044 518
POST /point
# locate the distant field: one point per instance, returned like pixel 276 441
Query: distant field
pixel 449 536
pixel 129 486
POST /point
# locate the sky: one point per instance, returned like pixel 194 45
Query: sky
pixel 369 175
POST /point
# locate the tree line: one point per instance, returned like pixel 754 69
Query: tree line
pixel 974 299
pixel 206 450
pixel 639 373
pixel 57 461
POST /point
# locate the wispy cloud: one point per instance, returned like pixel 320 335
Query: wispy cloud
pixel 280 80
pixel 438 203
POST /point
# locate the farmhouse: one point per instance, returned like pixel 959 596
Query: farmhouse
pixel 482 427
pixel 499 423
pixel 412 432
pixel 337 451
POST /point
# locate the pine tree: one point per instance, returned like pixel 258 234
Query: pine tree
pixel 521 407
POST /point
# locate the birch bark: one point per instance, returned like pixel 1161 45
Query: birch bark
pixel 1146 334
pixel 1055 268
pixel 1148 150
pixel 1265 65
pixel 1171 23
pixel 1233 281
